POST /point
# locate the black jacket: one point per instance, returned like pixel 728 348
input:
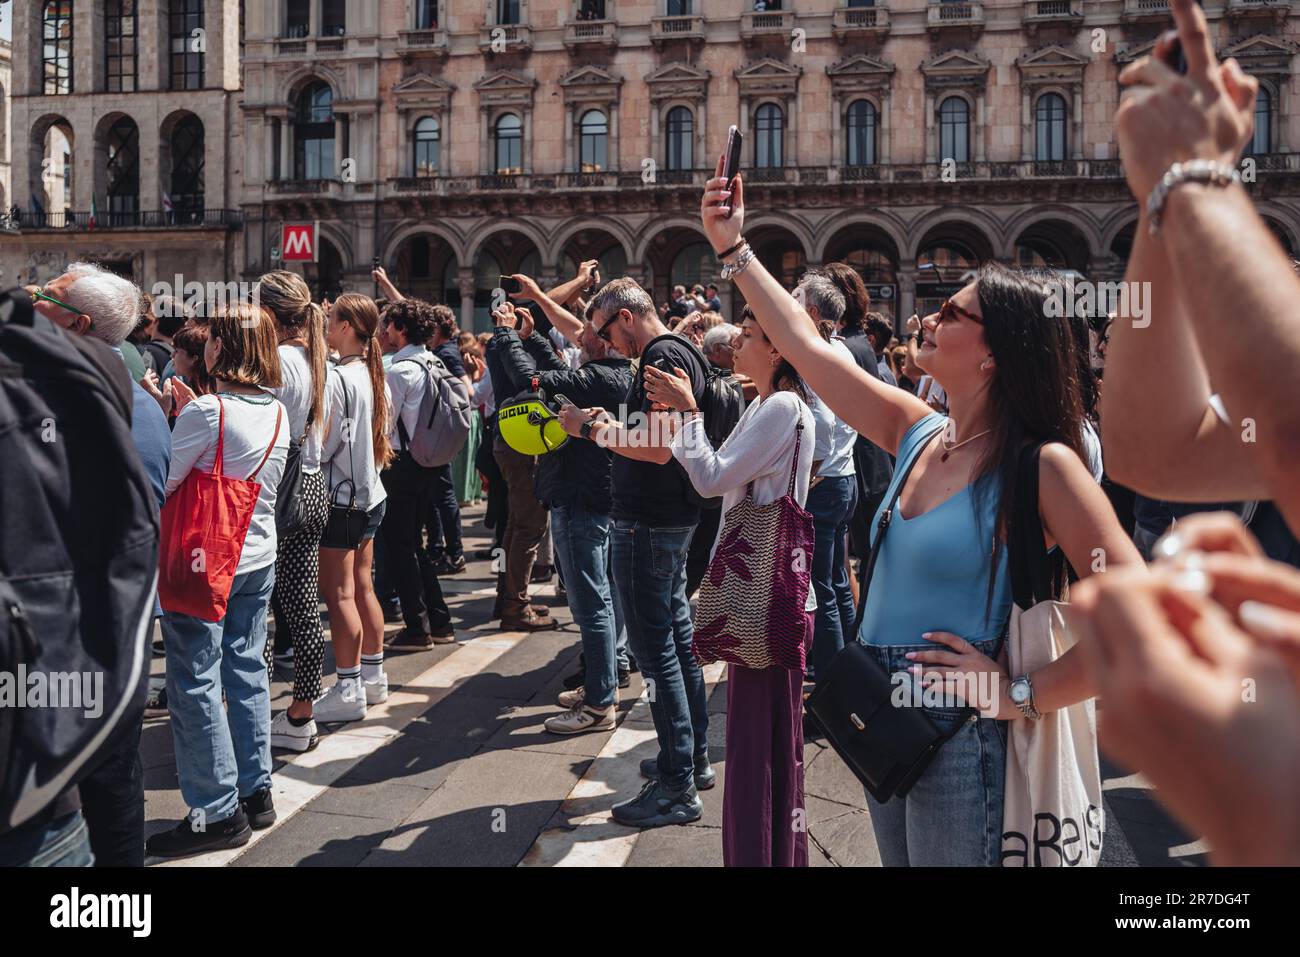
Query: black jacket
pixel 512 362
pixel 578 473
pixel 875 466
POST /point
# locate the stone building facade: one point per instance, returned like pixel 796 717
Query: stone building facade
pixel 484 138
pixel 124 139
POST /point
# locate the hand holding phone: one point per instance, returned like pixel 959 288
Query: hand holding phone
pixel 511 285
pixel 732 164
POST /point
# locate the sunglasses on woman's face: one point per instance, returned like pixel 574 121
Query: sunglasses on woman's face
pixel 950 311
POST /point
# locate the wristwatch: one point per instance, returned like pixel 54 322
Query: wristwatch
pixel 1022 696
pixel 587 426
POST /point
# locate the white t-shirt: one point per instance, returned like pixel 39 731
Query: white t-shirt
pixel 835 437
pixel 1092 451
pixel 348 451
pixel 407 381
pixel 249 428
pixel 760 450
pixel 296 393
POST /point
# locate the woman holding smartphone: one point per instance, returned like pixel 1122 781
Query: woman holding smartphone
pixel 941 597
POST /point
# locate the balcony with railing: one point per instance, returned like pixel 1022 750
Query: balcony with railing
pixel 758 25
pixel 584 34
pixel 1052 11
pixel 505 38
pixel 325 188
pixel 666 29
pixel 300 47
pixel 1139 10
pixel 943 15
pixel 432 40
pixel 1264 9
pixel 853 22
pixel 80 220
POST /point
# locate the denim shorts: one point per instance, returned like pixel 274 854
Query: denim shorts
pixel 953 814
pixel 373 518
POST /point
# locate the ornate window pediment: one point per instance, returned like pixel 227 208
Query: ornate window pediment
pixel 506 88
pixel 423 91
pixel 590 84
pixel 956 69
pixel 1129 54
pixel 678 80
pixel 1052 64
pixel 1262 53
pixel 768 77
pixel 859 73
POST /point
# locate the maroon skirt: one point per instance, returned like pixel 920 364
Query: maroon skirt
pixel 764 823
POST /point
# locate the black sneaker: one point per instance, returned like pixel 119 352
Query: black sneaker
pixel 392 612
pixel 184 839
pixel 155 706
pixel 542 574
pixel 450 566
pixel 259 809
pixel 657 806
pixel 705 776
pixel 624 678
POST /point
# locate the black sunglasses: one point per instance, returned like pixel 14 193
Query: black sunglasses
pixel 603 331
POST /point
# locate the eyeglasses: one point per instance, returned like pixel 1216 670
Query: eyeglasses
pixel 40 294
pixel 950 311
pixel 603 331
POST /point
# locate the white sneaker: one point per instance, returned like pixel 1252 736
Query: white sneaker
pixel 346 701
pixel 377 690
pixel 571 699
pixel 580 719
pixel 285 735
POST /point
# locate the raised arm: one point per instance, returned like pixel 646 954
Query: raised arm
pixel 570 326
pixel 878 412
pixel 1221 256
pixel 386 287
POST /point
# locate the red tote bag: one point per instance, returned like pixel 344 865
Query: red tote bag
pixel 204 523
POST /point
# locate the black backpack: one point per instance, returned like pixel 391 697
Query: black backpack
pixel 78 558
pixel 721 405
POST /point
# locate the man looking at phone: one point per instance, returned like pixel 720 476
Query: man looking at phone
pixel 655 514
pixel 574 483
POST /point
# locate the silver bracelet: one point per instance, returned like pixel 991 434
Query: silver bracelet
pixel 731 270
pixel 1195 171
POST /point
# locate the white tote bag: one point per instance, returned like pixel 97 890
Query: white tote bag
pixel 1053 814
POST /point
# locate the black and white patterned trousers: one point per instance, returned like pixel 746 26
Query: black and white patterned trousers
pixel 296 599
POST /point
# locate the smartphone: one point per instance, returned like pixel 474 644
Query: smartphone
pixel 731 166
pixel 511 285
pixel 374 263
pixel 562 399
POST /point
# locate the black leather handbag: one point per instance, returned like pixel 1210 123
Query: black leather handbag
pixel 290 508
pixel 346 523
pixel 886 747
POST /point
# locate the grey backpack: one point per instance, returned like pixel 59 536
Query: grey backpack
pixel 444 420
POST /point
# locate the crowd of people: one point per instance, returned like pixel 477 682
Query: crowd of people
pixel 676 417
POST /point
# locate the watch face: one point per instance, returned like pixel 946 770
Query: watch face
pixel 1019 691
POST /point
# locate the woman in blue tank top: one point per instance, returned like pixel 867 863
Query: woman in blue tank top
pixel 940 597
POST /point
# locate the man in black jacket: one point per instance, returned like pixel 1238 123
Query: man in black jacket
pixel 574 482
pixel 527 522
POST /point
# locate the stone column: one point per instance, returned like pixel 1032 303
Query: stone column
pixel 465 276
pixel 906 295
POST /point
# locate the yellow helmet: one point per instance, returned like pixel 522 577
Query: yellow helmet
pixel 529 426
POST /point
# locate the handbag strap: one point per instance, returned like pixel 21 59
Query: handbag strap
pixel 221 438
pixel 882 526
pixel 794 463
pixel 279 414
pixel 1029 563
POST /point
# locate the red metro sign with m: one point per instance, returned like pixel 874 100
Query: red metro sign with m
pixel 298 242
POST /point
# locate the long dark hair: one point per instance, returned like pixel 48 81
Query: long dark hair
pixel 1034 397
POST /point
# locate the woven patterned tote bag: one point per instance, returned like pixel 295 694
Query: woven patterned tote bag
pixel 751 604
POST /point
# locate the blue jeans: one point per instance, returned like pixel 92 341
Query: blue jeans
pixel 650 575
pixel 48 842
pixel 952 817
pixel 222 753
pixel 831 502
pixel 581 540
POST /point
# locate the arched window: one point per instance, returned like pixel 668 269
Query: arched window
pixel 593 136
pixel 860 129
pixel 1262 140
pixel 1049 128
pixel 56 50
pixel 186 61
pixel 313 133
pixel 769 136
pixel 187 145
pixel 954 130
pixel 123 171
pixel 681 135
pixel 509 141
pixel 333 18
pixel 119 46
pixel 426 147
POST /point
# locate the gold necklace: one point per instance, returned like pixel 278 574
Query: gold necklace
pixel 949 449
